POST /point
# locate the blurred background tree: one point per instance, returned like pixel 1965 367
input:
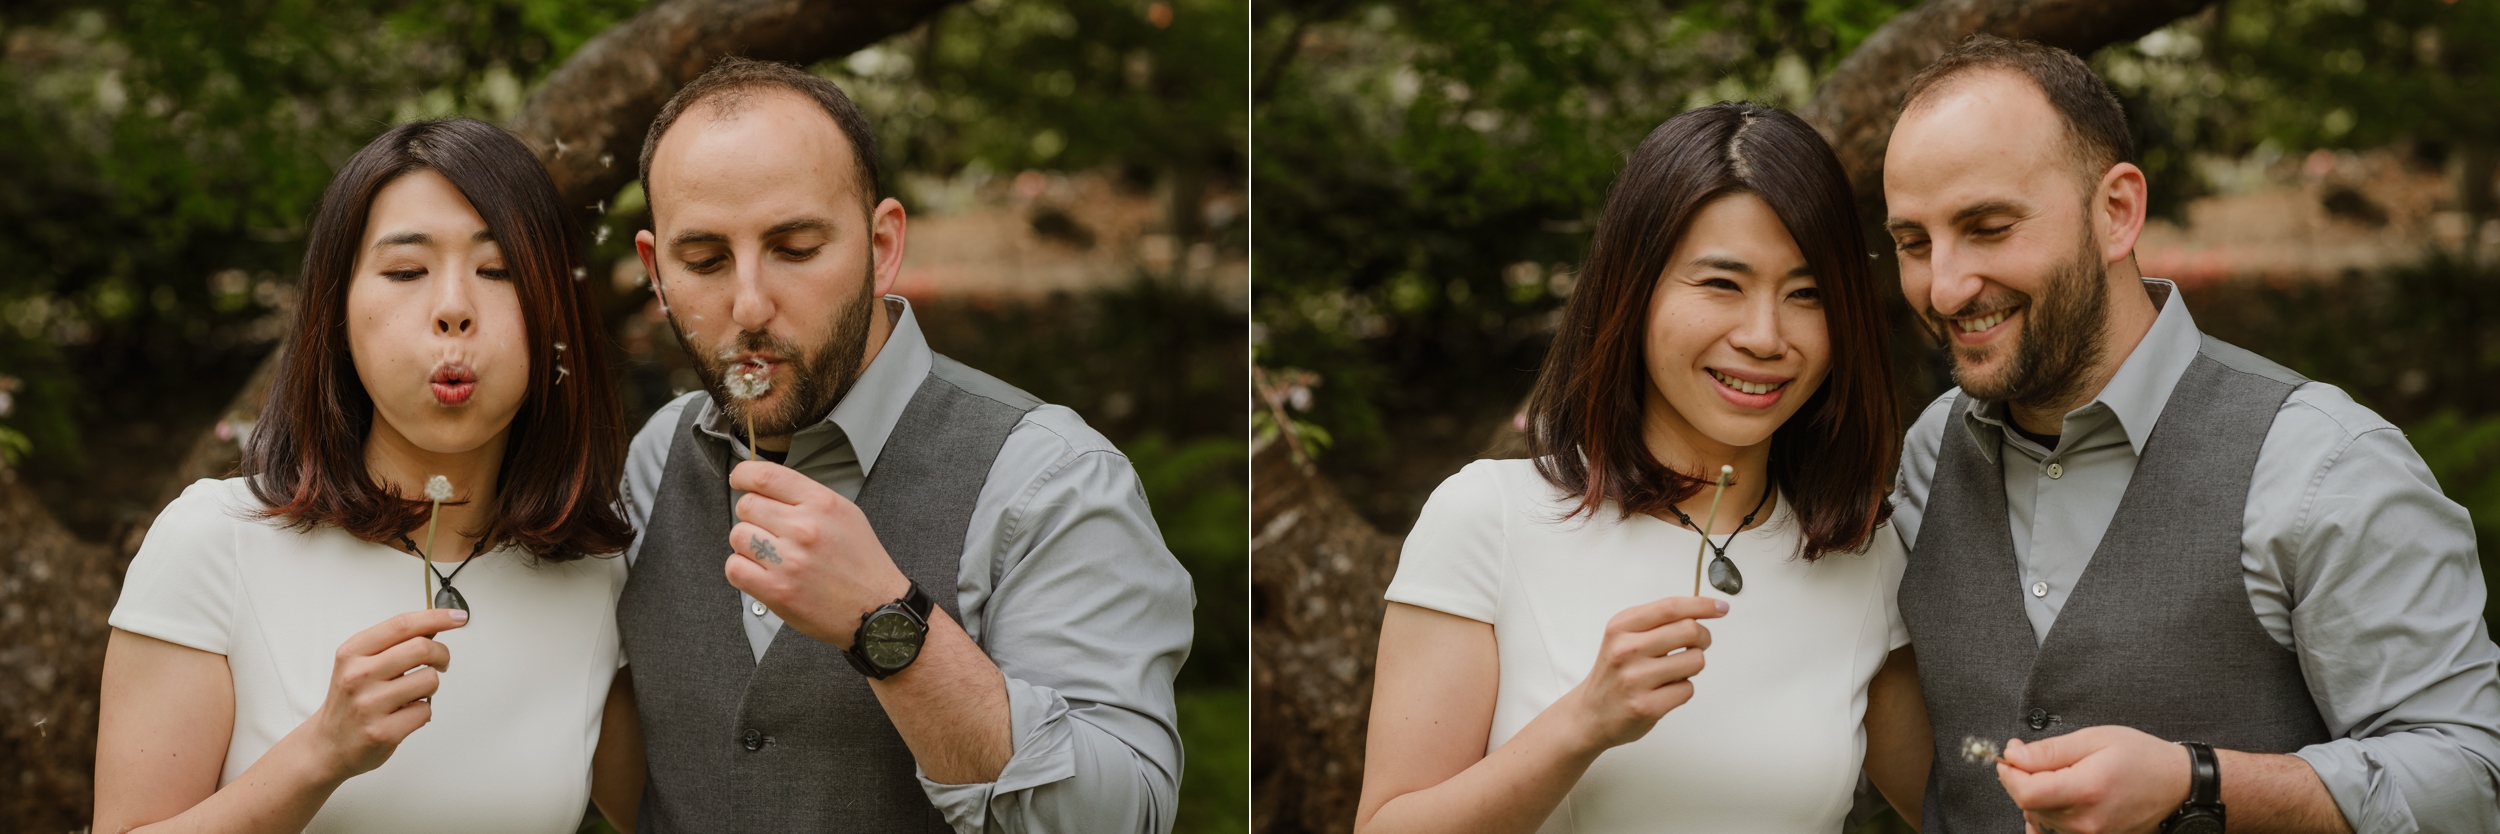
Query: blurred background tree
pixel 1429 173
pixel 166 156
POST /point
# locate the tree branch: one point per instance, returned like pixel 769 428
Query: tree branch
pixel 1854 109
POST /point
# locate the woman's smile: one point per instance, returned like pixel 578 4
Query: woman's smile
pixel 1748 389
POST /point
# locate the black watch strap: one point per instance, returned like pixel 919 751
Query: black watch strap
pixel 917 601
pixel 2202 813
pixel 2204 774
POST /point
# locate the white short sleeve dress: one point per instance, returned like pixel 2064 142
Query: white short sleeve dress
pixel 516 718
pixel 1773 739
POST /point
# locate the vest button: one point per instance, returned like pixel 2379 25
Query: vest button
pixel 755 739
pixel 2039 721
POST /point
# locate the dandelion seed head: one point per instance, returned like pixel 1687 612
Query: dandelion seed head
pixel 748 385
pixel 1978 750
pixel 437 488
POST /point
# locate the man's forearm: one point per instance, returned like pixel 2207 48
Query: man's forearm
pixel 2272 792
pixel 951 707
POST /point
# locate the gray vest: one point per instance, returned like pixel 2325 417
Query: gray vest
pixel 2158 633
pixel 796 742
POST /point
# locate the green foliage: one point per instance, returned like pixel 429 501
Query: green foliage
pixel 165 155
pixel 1061 84
pixel 1215 780
pixel 1428 173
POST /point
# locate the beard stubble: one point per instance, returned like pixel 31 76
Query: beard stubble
pixel 2060 344
pixel 815 379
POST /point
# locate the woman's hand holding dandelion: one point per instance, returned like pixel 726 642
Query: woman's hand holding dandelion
pixel 1644 669
pixel 379 680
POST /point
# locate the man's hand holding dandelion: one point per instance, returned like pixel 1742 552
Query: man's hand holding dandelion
pixel 807 553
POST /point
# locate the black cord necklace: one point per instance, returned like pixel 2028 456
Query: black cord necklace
pixel 448 597
pixel 1723 573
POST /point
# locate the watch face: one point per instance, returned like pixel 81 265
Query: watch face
pixel 891 641
pixel 2198 824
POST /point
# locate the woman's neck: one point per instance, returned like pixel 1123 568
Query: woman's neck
pixel 1686 449
pixel 402 467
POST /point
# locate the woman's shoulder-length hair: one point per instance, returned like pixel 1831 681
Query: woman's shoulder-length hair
pixel 557 488
pixel 1835 456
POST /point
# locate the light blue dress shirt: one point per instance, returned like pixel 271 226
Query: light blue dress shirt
pixel 1065 583
pixel 2353 558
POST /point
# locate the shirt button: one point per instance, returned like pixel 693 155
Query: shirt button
pixel 2040 589
pixel 2056 471
pixel 757 607
pixel 754 739
pixel 2039 721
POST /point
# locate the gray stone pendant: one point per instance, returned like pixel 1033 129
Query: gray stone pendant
pixel 449 597
pixel 1724 576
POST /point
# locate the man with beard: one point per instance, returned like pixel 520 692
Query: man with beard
pixel 921 600
pixel 2262 604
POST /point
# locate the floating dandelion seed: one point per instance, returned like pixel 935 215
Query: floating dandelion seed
pixel 748 385
pixel 437 490
pixel 561 373
pixel 1978 750
pixel 601 206
pixel 601 237
pixel 559 347
pixel 606 159
pixel 561 147
pixel 581 272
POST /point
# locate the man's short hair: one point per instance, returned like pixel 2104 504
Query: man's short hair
pixel 2096 126
pixel 729 84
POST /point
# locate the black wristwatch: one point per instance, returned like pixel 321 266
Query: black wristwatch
pixel 888 639
pixel 2202 812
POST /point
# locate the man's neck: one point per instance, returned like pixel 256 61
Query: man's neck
pixel 2131 316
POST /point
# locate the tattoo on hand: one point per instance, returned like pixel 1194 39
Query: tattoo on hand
pixel 763 549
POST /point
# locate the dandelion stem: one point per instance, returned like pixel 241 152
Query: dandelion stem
pixel 750 412
pixel 1706 523
pixel 425 578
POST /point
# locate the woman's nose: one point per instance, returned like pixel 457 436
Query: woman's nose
pixel 452 324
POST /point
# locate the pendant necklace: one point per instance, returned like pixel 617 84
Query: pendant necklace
pixel 1723 573
pixel 449 597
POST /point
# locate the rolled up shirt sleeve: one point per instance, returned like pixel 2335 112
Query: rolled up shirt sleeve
pixel 1087 616
pixel 2387 597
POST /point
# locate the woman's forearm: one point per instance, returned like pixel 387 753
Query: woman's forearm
pixel 1509 791
pixel 279 794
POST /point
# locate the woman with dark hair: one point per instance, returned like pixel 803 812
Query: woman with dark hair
pixel 442 413
pixel 1541 665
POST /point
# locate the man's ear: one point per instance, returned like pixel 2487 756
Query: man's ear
pixel 2118 208
pixel 646 247
pixel 886 227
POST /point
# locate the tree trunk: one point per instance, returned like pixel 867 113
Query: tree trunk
pixel 1854 108
pixel 1318 569
pixel 56 591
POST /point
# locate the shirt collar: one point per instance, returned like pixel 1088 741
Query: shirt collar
pixel 867 413
pixel 2136 394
